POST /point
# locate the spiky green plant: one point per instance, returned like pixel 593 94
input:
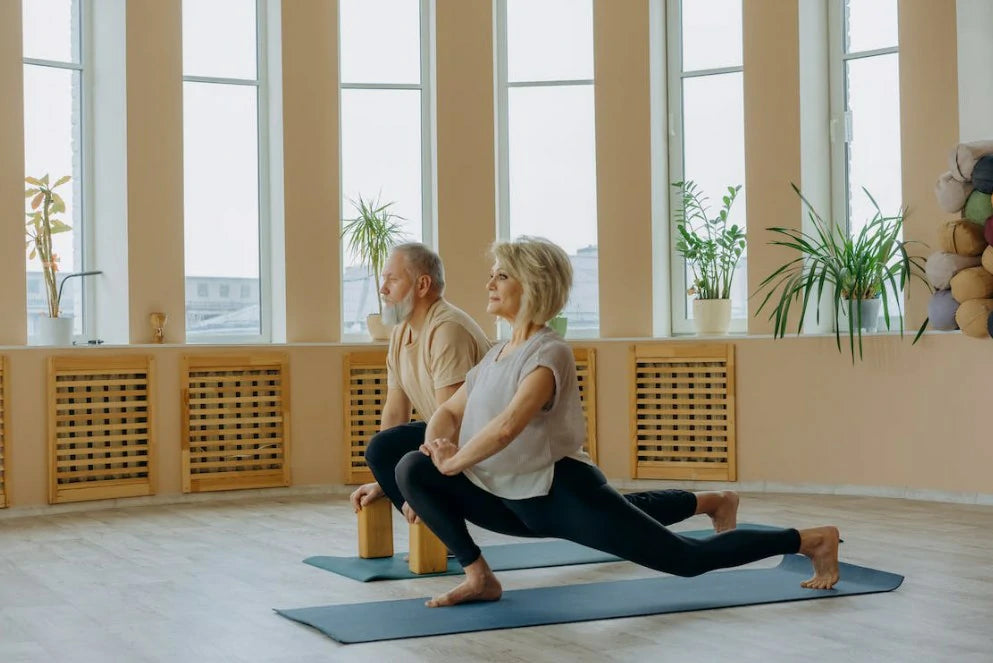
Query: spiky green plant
pixel 873 263
pixel 372 234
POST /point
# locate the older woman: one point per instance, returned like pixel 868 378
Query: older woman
pixel 505 453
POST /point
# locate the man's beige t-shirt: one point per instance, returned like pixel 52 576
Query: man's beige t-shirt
pixel 448 345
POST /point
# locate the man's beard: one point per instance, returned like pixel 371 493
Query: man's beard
pixel 394 314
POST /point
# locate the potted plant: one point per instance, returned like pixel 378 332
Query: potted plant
pixel 712 248
pixel 860 273
pixel 371 235
pixel 42 224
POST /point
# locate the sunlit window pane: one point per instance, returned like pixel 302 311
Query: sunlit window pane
pixel 874 152
pixel 381 159
pixel 53 146
pixel 380 41
pixel 711 34
pixel 221 187
pixel 552 179
pixel 51 29
pixel 714 157
pixel 219 38
pixel 870 24
pixel 549 40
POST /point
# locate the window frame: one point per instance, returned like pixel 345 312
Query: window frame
pixel 841 118
pixel 426 88
pixel 840 130
pixel 680 321
pixel 83 236
pixel 261 84
pixel 503 146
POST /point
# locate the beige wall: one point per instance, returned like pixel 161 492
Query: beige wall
pixel 772 135
pixel 623 167
pixel 13 322
pixel 310 170
pixel 156 267
pixel 466 150
pixel 805 414
pixel 929 121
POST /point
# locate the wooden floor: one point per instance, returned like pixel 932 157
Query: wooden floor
pixel 197 582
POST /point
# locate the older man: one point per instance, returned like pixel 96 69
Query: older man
pixel 432 347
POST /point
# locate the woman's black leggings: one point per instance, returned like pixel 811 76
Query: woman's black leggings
pixel 580 507
pixel 387 448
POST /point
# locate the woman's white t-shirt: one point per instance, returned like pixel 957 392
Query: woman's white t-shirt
pixel 525 467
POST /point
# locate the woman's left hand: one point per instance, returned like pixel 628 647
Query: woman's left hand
pixel 441 451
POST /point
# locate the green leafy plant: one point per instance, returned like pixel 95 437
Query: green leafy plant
pixel 42 224
pixel 871 264
pixel 711 247
pixel 372 234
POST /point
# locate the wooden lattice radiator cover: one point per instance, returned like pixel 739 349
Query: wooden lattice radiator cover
pixel 365 394
pixel 236 422
pixel 4 427
pixel 101 413
pixel 683 411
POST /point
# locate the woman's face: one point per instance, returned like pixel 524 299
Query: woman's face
pixel 504 294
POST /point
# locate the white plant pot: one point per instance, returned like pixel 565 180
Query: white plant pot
pixel 712 316
pixel 377 330
pixel 55 331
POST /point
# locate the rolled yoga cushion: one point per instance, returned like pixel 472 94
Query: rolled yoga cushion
pixel 982 174
pixel 972 317
pixel 972 283
pixel 987 260
pixel 941 310
pixel 978 207
pixel 961 237
pixel 941 267
pixel 964 156
pixel 951 193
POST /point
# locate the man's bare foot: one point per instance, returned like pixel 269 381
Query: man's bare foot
pixel 725 516
pixel 480 584
pixel 820 544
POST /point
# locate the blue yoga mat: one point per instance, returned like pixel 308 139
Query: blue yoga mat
pixel 390 620
pixel 506 557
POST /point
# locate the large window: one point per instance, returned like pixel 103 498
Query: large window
pixel 706 128
pixel 865 98
pixel 224 180
pixel 385 129
pixel 547 149
pixel 54 127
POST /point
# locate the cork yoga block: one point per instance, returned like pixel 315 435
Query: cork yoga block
pixel 962 237
pixel 376 529
pixel 427 553
pixel 972 283
pixel 972 317
pixel 941 267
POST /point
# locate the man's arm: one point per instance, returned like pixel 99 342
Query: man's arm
pixel 444 393
pixel 396 410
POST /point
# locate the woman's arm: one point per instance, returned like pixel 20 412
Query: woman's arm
pixel 447 419
pixel 534 392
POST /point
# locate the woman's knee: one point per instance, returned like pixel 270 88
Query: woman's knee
pixel 414 469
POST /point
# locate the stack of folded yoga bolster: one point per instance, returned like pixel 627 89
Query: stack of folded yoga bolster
pixel 961 273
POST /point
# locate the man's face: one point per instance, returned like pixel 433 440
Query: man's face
pixel 397 290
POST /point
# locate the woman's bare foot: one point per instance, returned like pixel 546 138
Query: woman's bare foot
pixel 721 506
pixel 820 544
pixel 480 584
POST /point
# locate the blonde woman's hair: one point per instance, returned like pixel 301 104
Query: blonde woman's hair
pixel 544 272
